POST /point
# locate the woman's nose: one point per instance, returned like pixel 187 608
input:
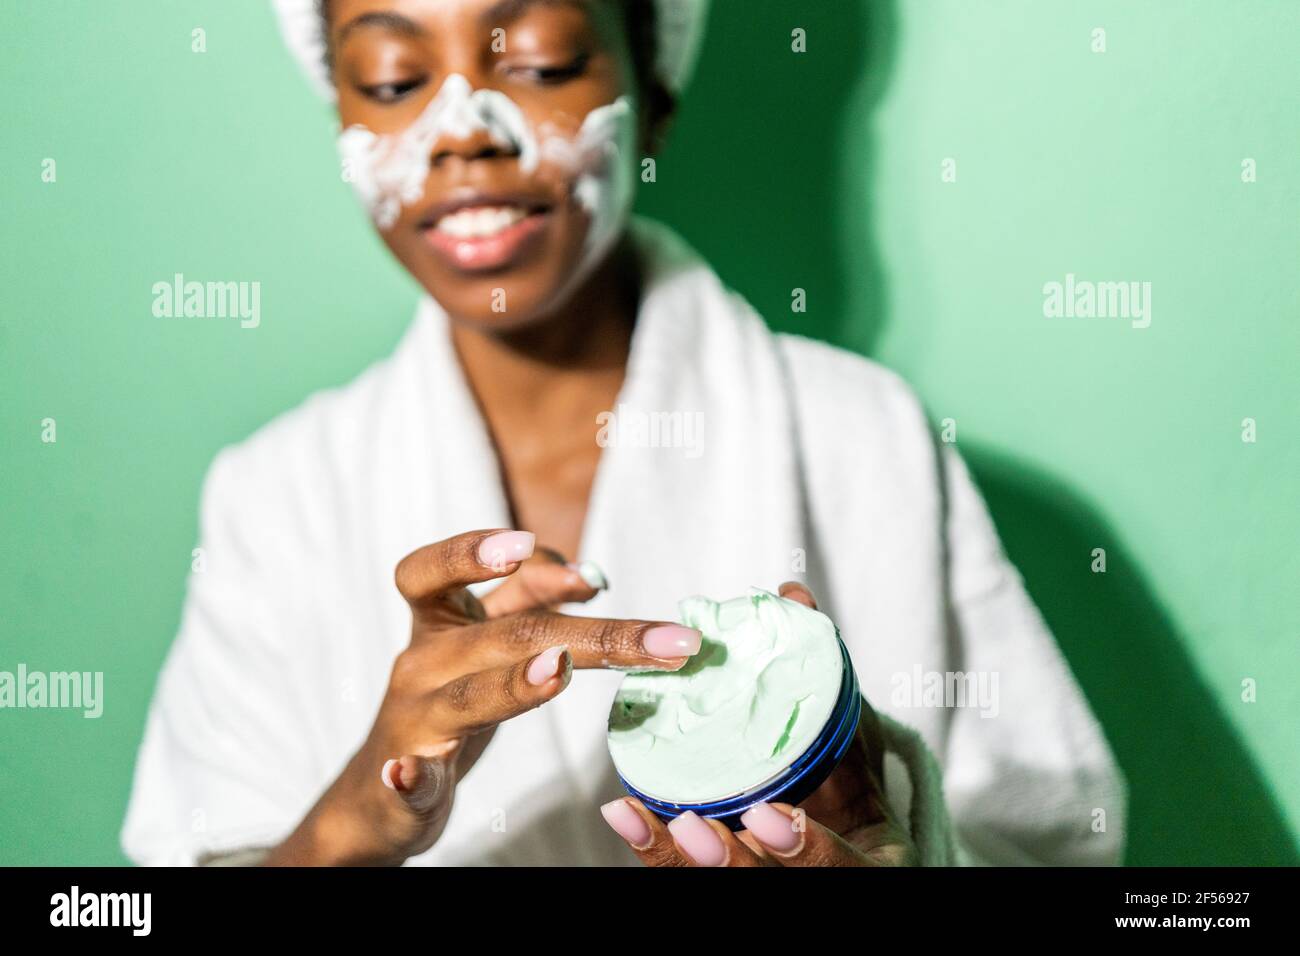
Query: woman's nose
pixel 479 143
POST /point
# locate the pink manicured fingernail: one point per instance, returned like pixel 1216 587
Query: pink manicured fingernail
pixel 772 828
pixel 698 840
pixel 386 775
pixel 499 551
pixel 546 665
pixel 627 823
pixel 671 640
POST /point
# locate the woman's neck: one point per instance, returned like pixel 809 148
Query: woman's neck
pixel 541 390
pixel 553 369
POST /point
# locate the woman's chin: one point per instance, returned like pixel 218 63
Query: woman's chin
pixel 504 301
pixel 495 322
pixel 520 292
pixel 502 306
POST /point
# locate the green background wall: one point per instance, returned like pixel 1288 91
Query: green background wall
pixel 819 171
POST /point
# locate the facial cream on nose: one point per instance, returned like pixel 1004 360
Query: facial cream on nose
pixel 762 713
pixel 388 171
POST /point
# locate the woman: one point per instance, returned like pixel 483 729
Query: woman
pixel 578 384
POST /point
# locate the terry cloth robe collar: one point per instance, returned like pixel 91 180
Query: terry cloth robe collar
pixel 698 460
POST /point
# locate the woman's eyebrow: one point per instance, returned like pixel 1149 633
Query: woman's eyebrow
pixel 384 20
pixel 503 11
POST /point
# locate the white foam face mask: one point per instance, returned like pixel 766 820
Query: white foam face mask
pixel 389 171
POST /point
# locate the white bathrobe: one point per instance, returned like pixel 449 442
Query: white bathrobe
pixel 812 463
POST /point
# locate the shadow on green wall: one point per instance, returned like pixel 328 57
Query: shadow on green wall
pixel 1196 797
pixel 754 168
pixel 754 176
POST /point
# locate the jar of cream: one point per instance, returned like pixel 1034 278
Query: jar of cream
pixel 762 713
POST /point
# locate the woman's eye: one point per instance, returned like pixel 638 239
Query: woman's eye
pixel 390 92
pixel 548 75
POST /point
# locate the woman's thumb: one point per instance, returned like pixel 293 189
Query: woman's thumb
pixel 422 782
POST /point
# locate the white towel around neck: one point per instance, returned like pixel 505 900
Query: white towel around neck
pixel 812 463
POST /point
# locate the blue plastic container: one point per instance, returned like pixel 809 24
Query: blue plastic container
pixel 797 782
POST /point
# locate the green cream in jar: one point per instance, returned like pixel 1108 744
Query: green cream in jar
pixel 767 689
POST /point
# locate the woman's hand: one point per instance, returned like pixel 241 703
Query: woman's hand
pixel 846 822
pixel 470 665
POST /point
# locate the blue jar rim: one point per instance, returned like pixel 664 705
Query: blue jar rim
pixel 798 781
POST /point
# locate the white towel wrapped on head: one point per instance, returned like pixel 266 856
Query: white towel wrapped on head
pixel 679 27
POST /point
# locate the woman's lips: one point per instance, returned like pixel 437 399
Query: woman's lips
pixel 479 238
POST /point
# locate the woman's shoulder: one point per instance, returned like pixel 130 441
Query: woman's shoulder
pixel 299 462
pixel 328 420
pixel 870 458
pixel 838 392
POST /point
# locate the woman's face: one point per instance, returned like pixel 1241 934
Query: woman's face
pixel 499 142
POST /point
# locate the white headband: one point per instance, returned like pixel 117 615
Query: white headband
pixel 679 26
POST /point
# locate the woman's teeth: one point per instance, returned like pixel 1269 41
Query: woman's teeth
pixel 480 222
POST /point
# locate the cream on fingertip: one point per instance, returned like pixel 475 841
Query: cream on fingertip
pixel 591 575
